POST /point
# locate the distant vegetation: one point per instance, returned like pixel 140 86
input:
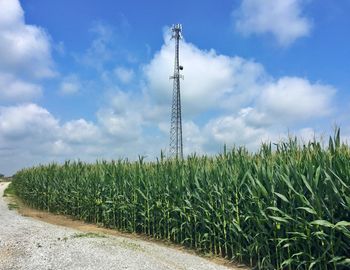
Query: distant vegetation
pixel 282 209
pixel 4 178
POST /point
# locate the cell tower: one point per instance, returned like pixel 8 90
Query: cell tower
pixel 176 125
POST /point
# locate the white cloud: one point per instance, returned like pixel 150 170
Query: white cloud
pixel 14 89
pixel 249 105
pixel 232 84
pixel 124 126
pixel 121 118
pixel 225 99
pixel 307 134
pixel 234 130
pixel 210 79
pixel 30 134
pixel 288 101
pixel 59 147
pixel 80 131
pixel 29 121
pixel 70 85
pixel 283 19
pixel 25 53
pixel 292 98
pixel 124 75
pixel 11 13
pixel 24 49
pixel 193 138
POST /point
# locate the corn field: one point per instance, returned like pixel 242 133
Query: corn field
pixel 281 208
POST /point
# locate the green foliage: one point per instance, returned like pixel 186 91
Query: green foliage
pixel 282 209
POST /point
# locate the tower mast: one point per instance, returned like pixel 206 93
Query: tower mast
pixel 176 123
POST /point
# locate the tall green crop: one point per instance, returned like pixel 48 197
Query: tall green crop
pixel 287 208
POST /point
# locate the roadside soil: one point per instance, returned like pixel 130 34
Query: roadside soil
pixel 33 239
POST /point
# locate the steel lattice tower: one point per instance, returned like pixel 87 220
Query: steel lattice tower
pixel 176 125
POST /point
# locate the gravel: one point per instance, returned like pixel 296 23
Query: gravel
pixel 27 243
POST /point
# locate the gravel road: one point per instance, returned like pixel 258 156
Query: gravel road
pixel 27 243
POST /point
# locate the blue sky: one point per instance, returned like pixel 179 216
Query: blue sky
pixel 89 80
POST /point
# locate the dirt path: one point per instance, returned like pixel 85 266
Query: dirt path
pixel 28 243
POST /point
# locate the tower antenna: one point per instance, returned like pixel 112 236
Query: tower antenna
pixel 176 123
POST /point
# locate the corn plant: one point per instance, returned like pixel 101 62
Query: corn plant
pixel 283 207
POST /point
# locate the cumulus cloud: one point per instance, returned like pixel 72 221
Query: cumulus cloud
pixel 247 104
pixel 25 53
pixel 29 121
pixel 121 118
pixel 210 79
pixel 280 105
pixel 289 100
pixel 283 19
pixel 15 89
pixel 124 127
pixel 24 49
pixel 193 138
pixel 234 84
pixel 31 134
pixel 292 98
pixel 80 131
pixel 234 130
pixel 226 100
